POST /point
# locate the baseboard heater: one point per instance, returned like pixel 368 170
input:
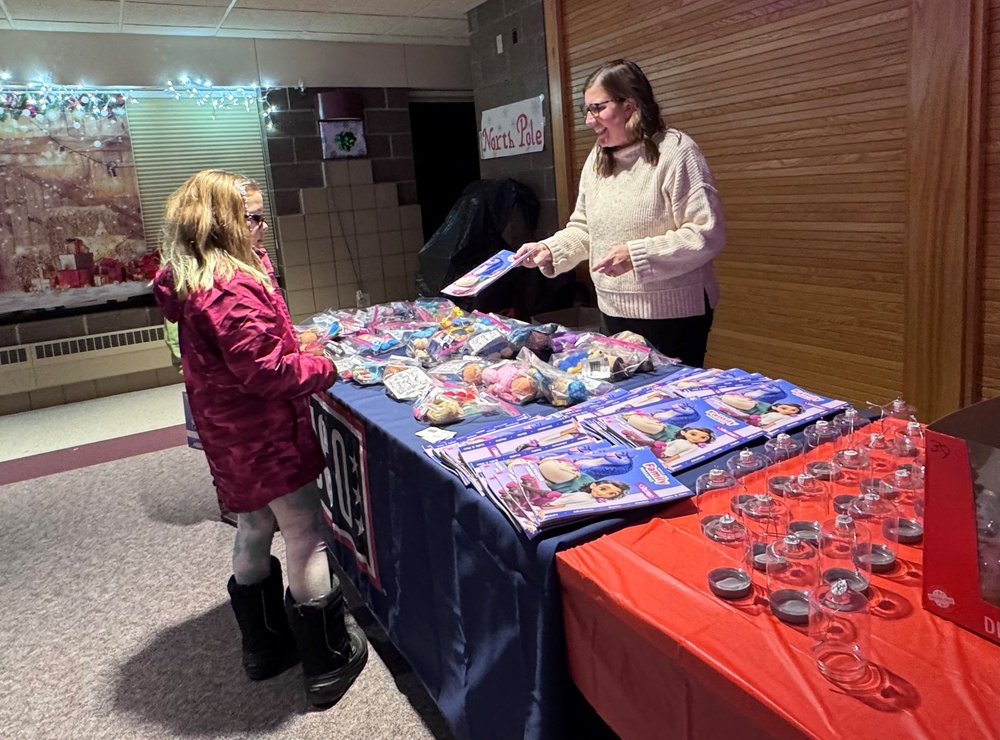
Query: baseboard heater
pixel 29 367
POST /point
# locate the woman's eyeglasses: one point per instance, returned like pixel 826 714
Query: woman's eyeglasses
pixel 595 109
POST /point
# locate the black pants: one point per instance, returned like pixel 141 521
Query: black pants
pixel 685 338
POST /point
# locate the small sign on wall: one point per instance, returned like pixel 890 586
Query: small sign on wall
pixel 343 138
pixel 512 129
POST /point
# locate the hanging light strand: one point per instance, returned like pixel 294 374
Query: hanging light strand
pixel 45 100
pixel 220 98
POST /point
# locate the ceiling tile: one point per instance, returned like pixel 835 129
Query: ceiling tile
pixel 83 11
pixel 170 30
pixel 399 8
pixel 281 20
pixel 448 8
pixel 301 35
pixel 148 14
pixel 74 27
pixel 443 27
pixel 198 3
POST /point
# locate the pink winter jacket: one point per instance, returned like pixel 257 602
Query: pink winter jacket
pixel 249 387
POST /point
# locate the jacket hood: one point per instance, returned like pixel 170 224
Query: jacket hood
pixel 171 305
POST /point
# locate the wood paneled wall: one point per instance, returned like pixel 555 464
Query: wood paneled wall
pixel 988 322
pixel 806 112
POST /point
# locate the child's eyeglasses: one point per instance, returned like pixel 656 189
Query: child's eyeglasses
pixel 255 218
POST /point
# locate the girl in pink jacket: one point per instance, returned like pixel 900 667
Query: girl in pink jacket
pixel 249 387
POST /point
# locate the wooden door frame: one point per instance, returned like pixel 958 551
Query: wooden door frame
pixel 942 351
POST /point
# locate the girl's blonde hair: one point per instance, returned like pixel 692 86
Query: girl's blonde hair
pixel 623 80
pixel 206 234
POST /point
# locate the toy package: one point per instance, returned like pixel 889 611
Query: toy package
pixel 435 309
pixel 775 405
pixel 472 282
pixel 368 371
pixel 510 381
pixel 491 341
pixel 479 469
pixel 527 436
pixel 447 451
pixel 536 337
pixel 599 357
pixel 697 383
pixel 315 332
pixel 561 388
pixel 557 488
pixel 452 402
pixel 406 382
pixel 681 433
pixel 460 370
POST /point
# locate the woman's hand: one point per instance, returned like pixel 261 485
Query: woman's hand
pixel 541 255
pixel 616 262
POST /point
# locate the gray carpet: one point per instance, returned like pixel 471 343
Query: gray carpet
pixel 114 620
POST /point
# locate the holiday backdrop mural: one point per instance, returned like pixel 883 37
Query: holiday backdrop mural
pixel 71 233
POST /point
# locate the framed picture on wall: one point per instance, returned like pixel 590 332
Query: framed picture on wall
pixel 343 139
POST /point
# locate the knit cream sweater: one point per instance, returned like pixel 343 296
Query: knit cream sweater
pixel 670 217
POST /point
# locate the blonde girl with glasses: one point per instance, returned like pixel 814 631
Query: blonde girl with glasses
pixel 648 219
pixel 249 387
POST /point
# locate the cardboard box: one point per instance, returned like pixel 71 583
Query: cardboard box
pixel 76 261
pixel 579 318
pixel 74 278
pixel 963 471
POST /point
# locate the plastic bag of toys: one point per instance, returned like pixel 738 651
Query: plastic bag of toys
pixel 491 342
pixel 369 371
pixel 561 388
pixel 405 381
pixel 460 370
pixel 511 381
pixel 599 357
pixel 436 309
pixel 454 402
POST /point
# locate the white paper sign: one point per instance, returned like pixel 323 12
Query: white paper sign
pixel 512 129
pixel 408 385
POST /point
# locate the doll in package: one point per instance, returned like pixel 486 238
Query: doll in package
pixel 453 402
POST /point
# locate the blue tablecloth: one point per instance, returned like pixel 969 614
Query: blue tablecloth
pixel 472 604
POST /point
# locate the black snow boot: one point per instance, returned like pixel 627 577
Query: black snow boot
pixel 333 652
pixel 268 644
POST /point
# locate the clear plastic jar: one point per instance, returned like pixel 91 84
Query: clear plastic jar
pixel 714 493
pixel 792 568
pixel 839 629
pixel 842 545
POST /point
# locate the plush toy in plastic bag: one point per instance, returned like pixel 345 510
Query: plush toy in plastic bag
pixel 407 384
pixel 511 381
pixel 558 387
pixel 460 370
pixel 491 342
pixel 436 309
pixel 453 402
pixel 599 357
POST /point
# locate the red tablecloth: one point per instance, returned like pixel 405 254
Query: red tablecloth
pixel 658 656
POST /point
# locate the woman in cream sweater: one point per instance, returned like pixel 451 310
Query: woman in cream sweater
pixel 647 217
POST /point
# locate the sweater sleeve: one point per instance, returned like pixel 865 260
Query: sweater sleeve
pixel 696 211
pixel 571 245
pixel 249 335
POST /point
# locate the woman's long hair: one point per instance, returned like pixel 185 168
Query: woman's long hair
pixel 206 234
pixel 623 80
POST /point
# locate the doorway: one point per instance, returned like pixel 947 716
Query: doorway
pixel 445 156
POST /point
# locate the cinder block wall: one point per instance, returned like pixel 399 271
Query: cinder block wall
pixel 344 225
pixel 519 72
